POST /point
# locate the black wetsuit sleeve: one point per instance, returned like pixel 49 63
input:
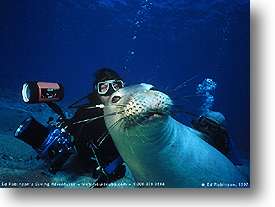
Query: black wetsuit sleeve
pixel 74 127
pixel 88 133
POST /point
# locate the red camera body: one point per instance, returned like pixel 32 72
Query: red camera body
pixel 42 92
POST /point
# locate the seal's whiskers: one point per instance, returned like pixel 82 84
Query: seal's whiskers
pixel 181 85
pixel 131 148
pixel 184 83
pixel 101 106
pixel 106 133
pixel 127 133
pixel 141 133
pixel 98 117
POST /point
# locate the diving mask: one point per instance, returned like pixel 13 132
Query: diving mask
pixel 108 86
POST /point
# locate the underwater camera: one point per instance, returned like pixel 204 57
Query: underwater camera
pixel 53 143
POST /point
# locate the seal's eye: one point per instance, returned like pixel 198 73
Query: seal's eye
pixel 115 99
pixel 153 89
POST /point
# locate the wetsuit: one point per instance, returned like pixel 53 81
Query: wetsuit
pixel 87 141
pixel 217 136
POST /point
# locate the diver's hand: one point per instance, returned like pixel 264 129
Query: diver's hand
pixel 65 123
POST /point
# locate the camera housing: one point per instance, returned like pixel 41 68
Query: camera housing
pixel 53 144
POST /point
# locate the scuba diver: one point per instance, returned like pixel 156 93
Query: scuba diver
pixel 211 124
pixel 78 144
pixel 96 150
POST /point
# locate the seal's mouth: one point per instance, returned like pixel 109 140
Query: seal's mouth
pixel 154 115
pixel 144 118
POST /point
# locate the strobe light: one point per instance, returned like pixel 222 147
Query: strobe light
pixel 42 92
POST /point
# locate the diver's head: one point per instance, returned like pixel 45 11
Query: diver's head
pixel 210 122
pixel 107 81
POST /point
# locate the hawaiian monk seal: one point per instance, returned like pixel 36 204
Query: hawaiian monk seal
pixel 157 148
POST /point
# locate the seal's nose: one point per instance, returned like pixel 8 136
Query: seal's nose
pixel 154 89
pixel 115 99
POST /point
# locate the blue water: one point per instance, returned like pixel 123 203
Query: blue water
pixel 165 43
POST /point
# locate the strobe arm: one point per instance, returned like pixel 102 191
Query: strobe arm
pixel 57 109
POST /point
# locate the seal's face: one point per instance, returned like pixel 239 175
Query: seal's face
pixel 137 105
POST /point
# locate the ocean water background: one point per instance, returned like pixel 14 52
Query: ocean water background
pixel 162 42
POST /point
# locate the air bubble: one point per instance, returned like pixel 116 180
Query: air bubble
pixel 207 89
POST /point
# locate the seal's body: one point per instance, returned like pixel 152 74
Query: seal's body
pixel 157 148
